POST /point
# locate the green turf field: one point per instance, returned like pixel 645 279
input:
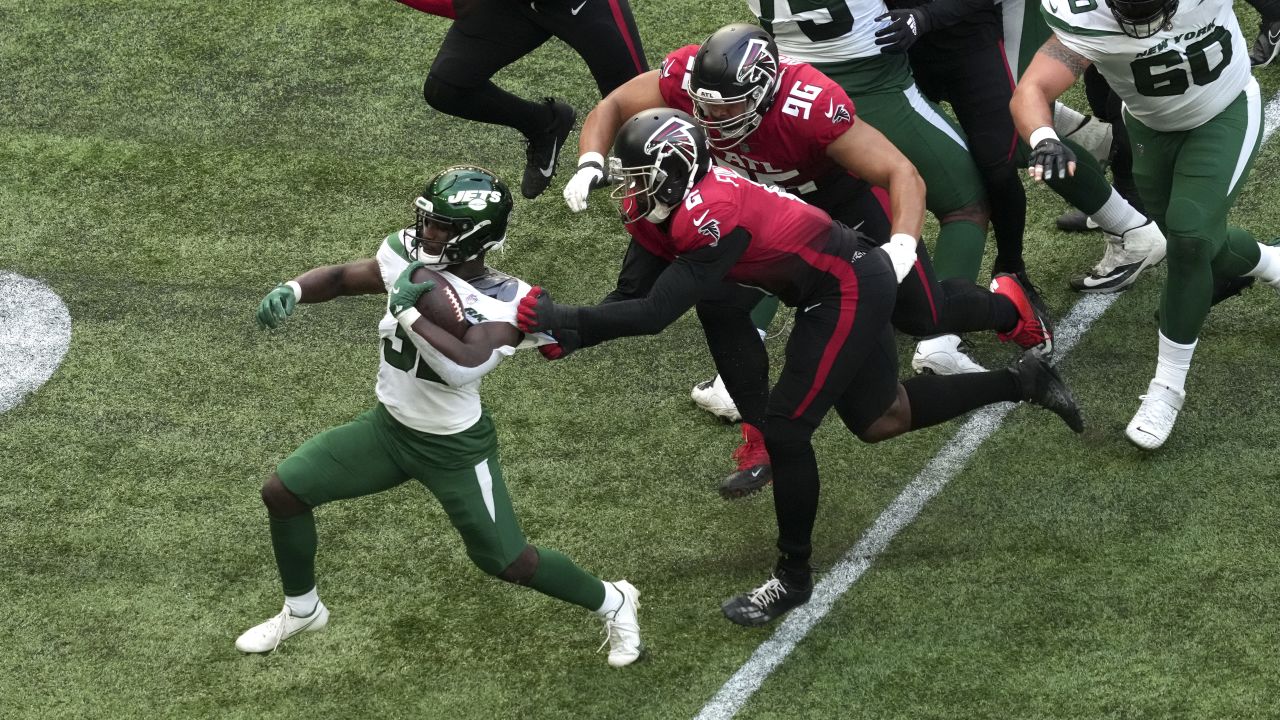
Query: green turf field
pixel 163 165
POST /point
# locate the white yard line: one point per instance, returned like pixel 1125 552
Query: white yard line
pixel 945 465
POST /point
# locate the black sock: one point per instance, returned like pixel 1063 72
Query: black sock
pixel 1008 202
pixel 938 398
pixel 489 103
pixel 969 308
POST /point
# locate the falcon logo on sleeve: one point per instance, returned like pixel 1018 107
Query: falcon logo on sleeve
pixel 838 113
pixel 712 230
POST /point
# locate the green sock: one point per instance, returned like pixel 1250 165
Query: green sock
pixel 1088 189
pixel 558 577
pixel 959 250
pixel 293 540
pixel 1239 254
pixel 764 311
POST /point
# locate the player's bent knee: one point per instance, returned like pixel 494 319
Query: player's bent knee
pixel 977 213
pixel 280 501
pixel 895 421
pixel 1185 226
pixel 443 96
pixel 523 568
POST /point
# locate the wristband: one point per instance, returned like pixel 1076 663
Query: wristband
pixel 297 290
pixel 408 318
pixel 1043 133
pixel 594 159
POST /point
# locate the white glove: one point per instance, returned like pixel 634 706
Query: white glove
pixel 590 175
pixel 901 250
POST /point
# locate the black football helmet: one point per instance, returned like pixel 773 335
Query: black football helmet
pixel 658 155
pixel 1143 18
pixel 473 203
pixel 734 82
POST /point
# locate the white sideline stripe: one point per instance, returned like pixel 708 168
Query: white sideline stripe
pixel 739 688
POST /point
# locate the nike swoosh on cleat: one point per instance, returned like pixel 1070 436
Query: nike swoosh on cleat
pixel 756 472
pixel 812 307
pixel 574 11
pixel 1112 280
pixel 550 169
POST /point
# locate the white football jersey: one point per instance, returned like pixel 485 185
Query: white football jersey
pixel 1177 79
pixel 407 386
pixel 833 31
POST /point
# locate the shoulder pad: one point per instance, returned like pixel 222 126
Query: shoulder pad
pixel 497 285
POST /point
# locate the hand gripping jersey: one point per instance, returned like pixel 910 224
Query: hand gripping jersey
pixel 411 391
pixel 821 31
pixel 789 147
pixel 1177 79
pixel 787 234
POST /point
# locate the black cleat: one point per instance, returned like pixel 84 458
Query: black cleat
pixel 746 481
pixel 1265 47
pixel 543 150
pixel 783 591
pixel 1041 385
pixel 1075 221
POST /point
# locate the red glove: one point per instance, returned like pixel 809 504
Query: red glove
pixel 554 351
pixel 535 310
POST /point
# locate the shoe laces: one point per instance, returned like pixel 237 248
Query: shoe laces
pixel 768 593
pixel 614 631
pixel 280 621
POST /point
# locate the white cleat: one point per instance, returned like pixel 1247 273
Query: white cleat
pixel 622 628
pixel 266 637
pixel 1153 422
pixel 942 356
pixel 711 395
pixel 1095 136
pixel 1123 260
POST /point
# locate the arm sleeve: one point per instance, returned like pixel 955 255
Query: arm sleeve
pixel 676 290
pixel 451 372
pixel 945 13
pixel 640 270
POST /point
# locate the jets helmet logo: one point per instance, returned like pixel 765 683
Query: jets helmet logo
pixel 756 62
pixel 475 199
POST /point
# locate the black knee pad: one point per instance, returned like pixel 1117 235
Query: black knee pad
pixel 1185 229
pixel 523 568
pixel 443 96
pixel 280 502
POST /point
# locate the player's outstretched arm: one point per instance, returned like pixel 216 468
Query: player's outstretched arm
pixel 318 285
pixel 866 152
pixel 598 130
pixel 1054 69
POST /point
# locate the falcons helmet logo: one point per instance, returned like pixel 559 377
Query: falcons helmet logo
pixel 673 136
pixel 756 61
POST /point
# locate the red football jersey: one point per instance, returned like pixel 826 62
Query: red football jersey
pixel 789 148
pixel 787 234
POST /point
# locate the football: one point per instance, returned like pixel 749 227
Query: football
pixel 442 305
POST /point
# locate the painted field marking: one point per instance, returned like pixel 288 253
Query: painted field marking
pixel 949 461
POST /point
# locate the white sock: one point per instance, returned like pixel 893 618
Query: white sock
pixel 612 600
pixel 1174 362
pixel 1067 120
pixel 764 333
pixel 1117 216
pixel 302 605
pixel 1268 267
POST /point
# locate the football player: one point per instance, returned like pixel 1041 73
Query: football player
pixel 711 225
pixel 488 35
pixel 1194 117
pixel 954 50
pixel 881 84
pixel 817 150
pixel 428 423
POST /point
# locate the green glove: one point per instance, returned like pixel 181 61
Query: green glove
pixel 405 293
pixel 276 306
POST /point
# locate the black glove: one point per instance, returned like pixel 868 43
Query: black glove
pixel 1053 158
pixel 904 29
